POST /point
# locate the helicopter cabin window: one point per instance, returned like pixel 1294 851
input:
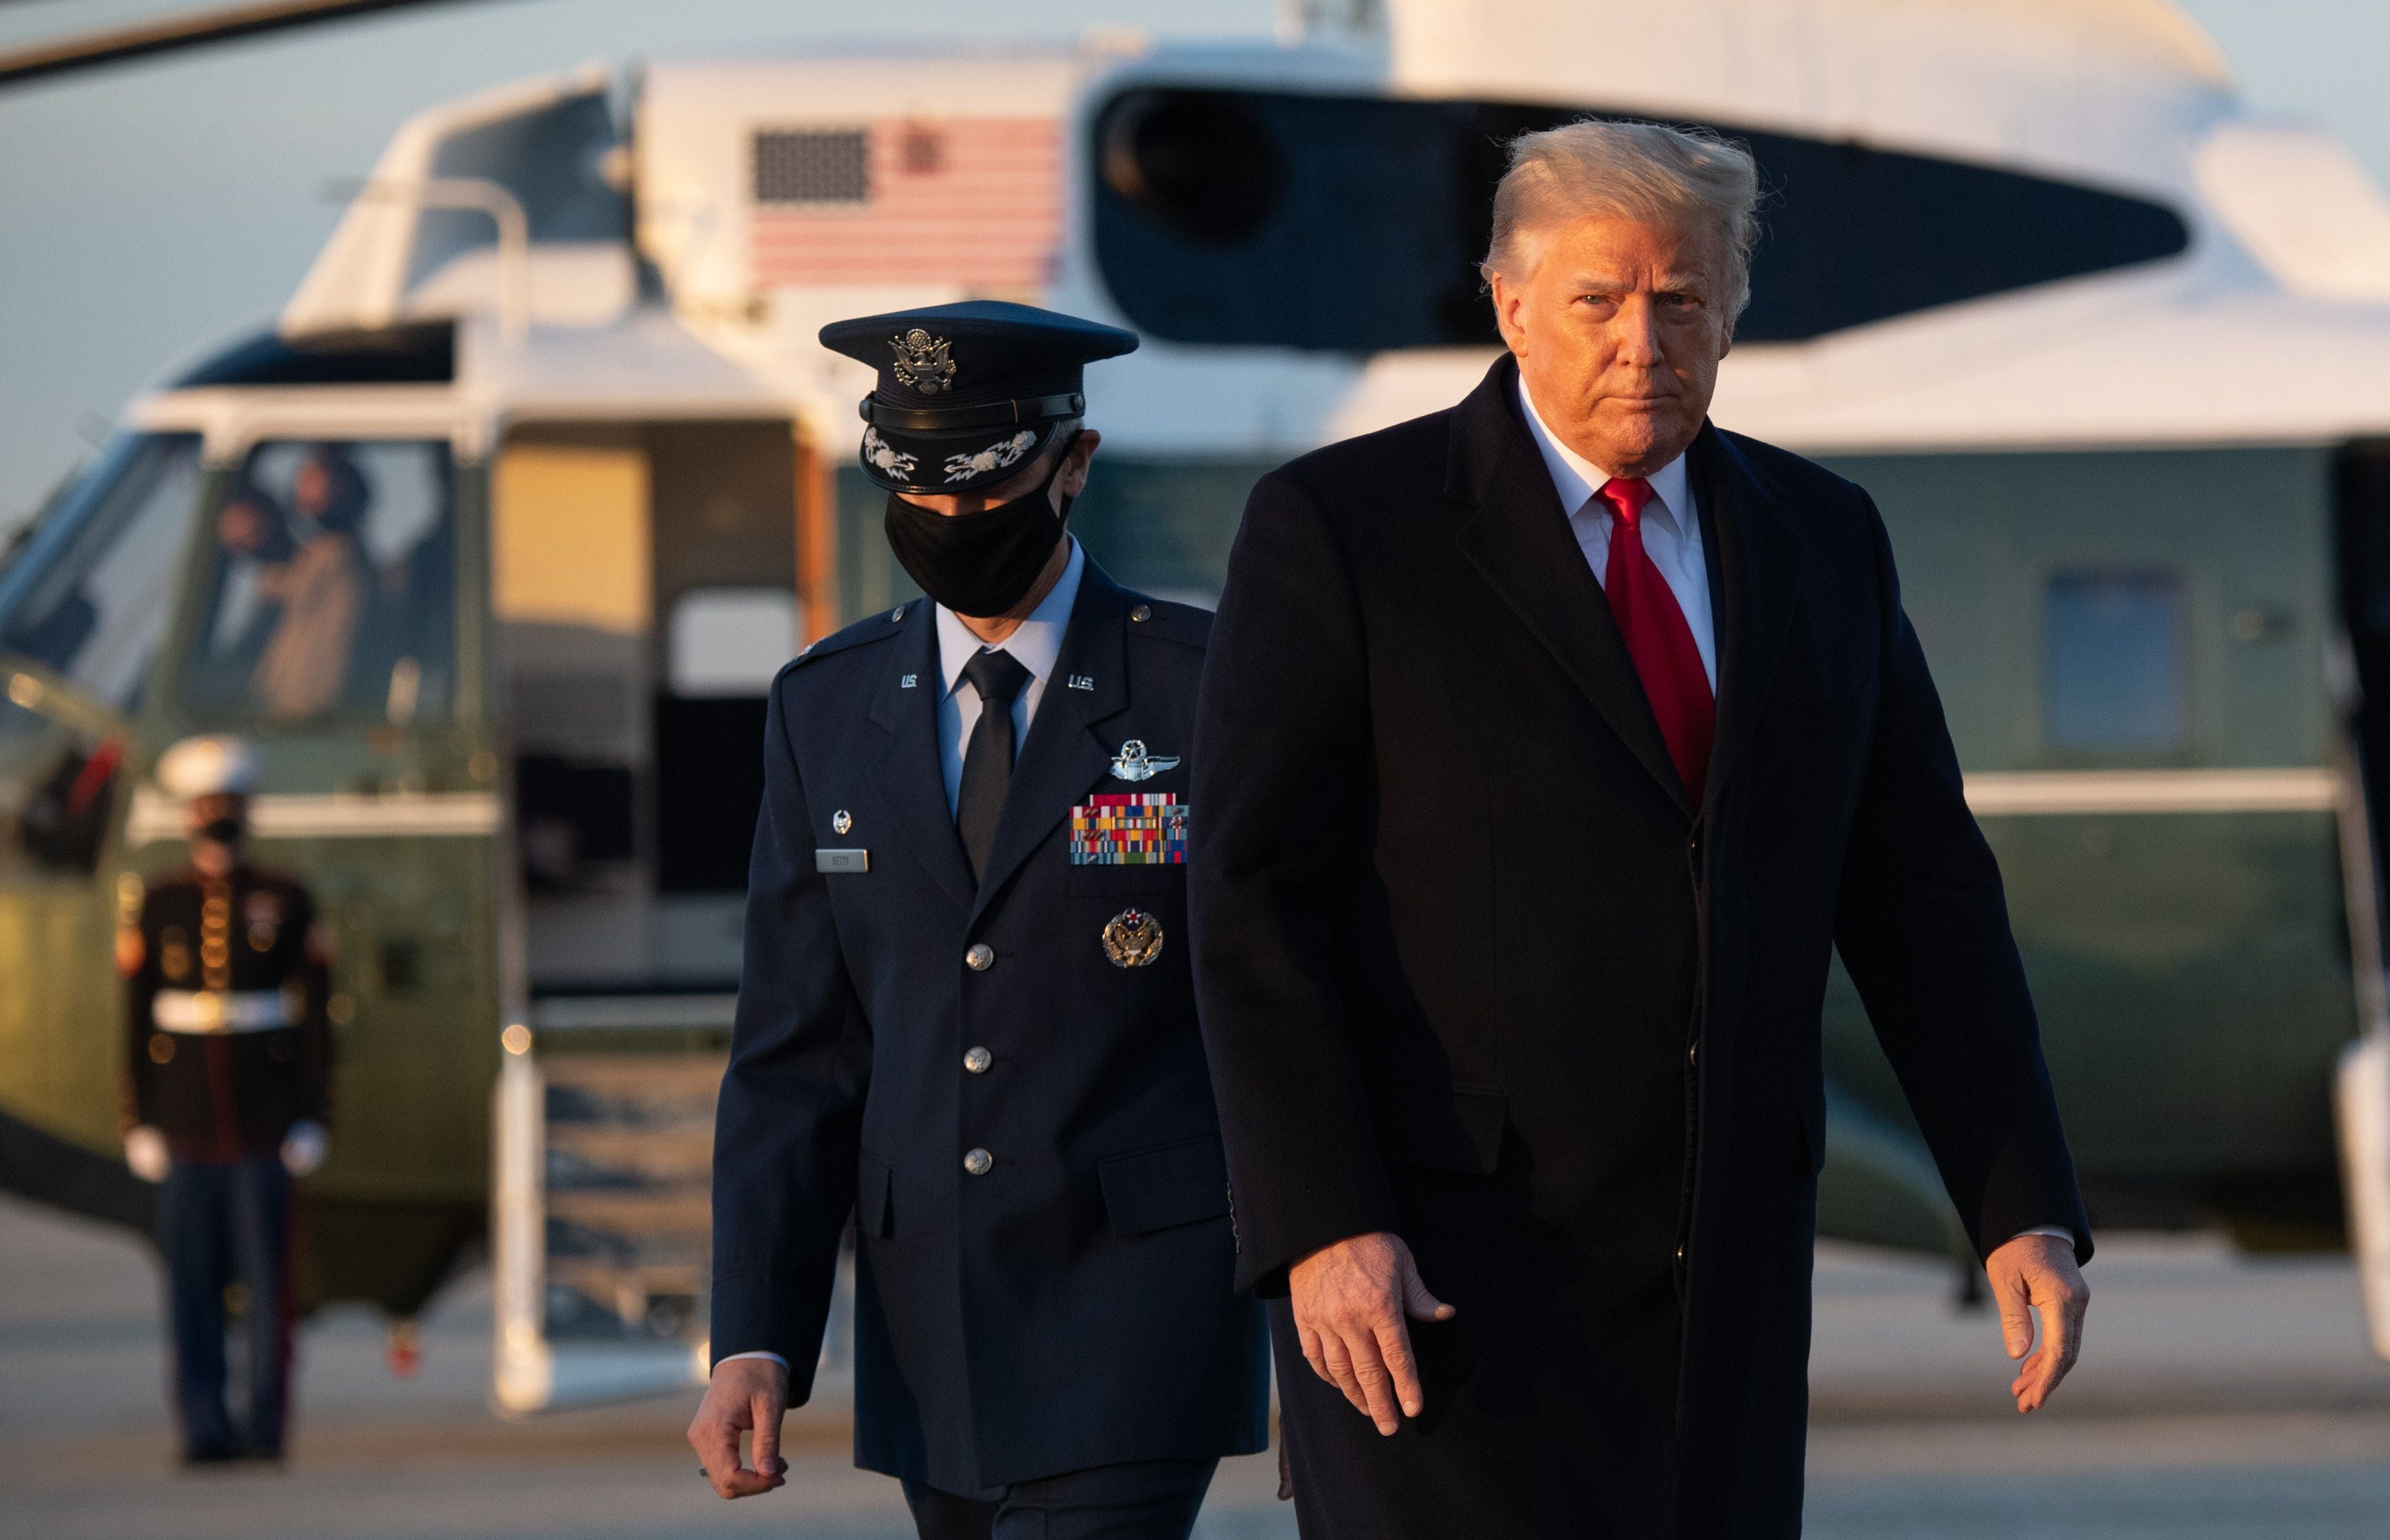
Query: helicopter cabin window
pixel 2115 674
pixel 333 586
pixel 1354 224
pixel 83 606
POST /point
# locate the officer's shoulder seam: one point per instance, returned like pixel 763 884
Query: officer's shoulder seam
pixel 881 627
pixel 1170 621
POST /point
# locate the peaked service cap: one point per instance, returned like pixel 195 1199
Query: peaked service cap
pixel 969 392
pixel 209 767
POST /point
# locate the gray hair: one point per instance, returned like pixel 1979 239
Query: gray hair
pixel 1648 172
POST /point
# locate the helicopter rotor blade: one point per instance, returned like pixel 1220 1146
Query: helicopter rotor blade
pixel 176 32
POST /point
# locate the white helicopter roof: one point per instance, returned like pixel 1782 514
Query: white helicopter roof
pixel 2285 282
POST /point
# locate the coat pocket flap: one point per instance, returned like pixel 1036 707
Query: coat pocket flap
pixel 875 1197
pixel 1438 1127
pixel 1154 1189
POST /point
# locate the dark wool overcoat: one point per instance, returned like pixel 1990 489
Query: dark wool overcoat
pixel 1476 967
pixel 1069 1303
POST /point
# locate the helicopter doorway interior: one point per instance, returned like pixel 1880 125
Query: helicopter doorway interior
pixel 644 580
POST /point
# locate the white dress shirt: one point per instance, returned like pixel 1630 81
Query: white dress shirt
pixel 1672 527
pixel 1034 646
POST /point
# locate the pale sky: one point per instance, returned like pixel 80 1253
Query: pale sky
pixel 149 211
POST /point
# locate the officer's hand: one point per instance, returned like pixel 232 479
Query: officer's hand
pixel 145 1151
pixel 304 1148
pixel 2038 1273
pixel 1350 1301
pixel 744 1394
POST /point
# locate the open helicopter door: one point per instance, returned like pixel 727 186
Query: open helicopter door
pixel 647 582
pixel 2361 681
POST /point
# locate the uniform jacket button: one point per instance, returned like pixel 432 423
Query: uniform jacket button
pixel 981 957
pixel 977 1061
pixel 979 1162
pixel 1142 612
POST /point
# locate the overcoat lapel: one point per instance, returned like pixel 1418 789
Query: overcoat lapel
pixel 1757 585
pixel 1518 537
pixel 1065 756
pixel 907 771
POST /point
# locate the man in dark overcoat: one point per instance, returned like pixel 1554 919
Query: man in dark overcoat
pixel 1552 745
pixel 967 1017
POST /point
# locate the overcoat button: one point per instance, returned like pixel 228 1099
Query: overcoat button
pixel 1693 1054
pixel 1142 612
pixel 979 1162
pixel 981 957
pixel 977 1061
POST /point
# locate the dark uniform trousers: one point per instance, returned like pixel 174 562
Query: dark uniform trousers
pixel 1137 1501
pixel 1015 1111
pixel 226 1048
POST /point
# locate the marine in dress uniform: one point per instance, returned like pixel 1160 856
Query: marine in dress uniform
pixel 225 1093
pixel 967 1019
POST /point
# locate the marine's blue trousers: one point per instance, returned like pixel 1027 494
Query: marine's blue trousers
pixel 222 1223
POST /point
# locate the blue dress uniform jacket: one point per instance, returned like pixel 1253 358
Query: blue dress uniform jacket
pixel 1070 1305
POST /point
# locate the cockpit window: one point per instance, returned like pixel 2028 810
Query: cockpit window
pixel 332 585
pixel 82 611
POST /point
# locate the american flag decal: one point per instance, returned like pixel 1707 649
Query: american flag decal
pixel 1137 829
pixel 971 202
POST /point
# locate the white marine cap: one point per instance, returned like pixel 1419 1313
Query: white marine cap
pixel 209 767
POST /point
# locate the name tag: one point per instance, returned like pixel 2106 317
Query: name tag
pixel 854 861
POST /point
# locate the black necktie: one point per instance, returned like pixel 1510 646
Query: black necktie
pixel 987 761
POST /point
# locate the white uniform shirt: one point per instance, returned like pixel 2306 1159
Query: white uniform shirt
pixel 1036 647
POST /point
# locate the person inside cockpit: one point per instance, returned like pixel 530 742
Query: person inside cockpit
pixel 326 591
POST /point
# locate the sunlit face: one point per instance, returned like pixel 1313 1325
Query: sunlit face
pixel 1618 327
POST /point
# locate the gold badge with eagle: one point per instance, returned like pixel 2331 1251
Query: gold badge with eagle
pixel 1132 939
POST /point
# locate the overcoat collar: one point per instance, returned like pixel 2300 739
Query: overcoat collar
pixel 1518 537
pixel 1062 757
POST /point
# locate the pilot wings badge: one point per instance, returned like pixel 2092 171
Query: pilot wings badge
pixel 1133 763
pixel 923 362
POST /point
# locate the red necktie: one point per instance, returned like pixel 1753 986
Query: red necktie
pixel 1657 638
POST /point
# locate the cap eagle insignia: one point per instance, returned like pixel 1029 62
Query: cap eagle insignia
pixel 923 362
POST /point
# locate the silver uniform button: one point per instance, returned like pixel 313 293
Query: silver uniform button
pixel 979 1162
pixel 981 957
pixel 1142 612
pixel 977 1061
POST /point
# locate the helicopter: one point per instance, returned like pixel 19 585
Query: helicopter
pixel 564 333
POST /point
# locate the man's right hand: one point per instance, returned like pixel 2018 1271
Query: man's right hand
pixel 1350 1305
pixel 745 1393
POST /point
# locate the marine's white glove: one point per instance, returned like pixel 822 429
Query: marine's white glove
pixel 304 1148
pixel 145 1151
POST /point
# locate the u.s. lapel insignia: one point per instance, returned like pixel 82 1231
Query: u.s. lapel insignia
pixel 841 821
pixel 1132 939
pixel 1133 763
pixel 923 362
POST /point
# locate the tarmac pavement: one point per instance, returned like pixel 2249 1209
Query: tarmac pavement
pixel 2218 1396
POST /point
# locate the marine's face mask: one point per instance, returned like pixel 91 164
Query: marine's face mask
pixel 980 564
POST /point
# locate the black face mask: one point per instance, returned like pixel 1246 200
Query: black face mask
pixel 983 563
pixel 224 831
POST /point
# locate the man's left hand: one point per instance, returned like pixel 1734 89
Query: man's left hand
pixel 2036 1274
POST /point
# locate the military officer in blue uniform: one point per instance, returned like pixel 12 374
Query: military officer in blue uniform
pixel 967 1020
